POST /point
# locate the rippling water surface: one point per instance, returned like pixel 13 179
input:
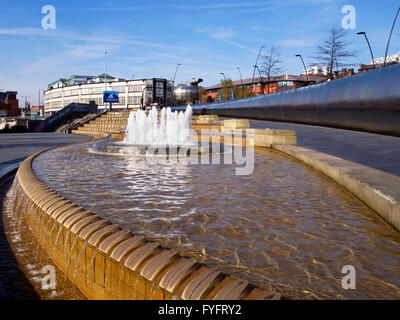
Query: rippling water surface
pixel 285 226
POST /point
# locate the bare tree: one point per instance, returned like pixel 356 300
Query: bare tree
pixel 271 64
pixel 334 50
pixel 226 87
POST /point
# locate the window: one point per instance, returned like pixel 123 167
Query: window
pixel 285 83
pixel 135 88
pixel 136 100
pixel 119 88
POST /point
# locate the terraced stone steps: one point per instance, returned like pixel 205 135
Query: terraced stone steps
pixel 110 122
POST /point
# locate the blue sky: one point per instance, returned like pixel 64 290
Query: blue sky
pixel 149 38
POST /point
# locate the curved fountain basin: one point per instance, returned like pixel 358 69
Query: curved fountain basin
pixel 283 226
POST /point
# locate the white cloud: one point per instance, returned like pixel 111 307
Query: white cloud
pixel 222 33
pixel 27 32
pixel 225 35
pixel 293 43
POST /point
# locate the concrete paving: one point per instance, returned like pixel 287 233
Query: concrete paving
pixel 373 150
pixel 15 147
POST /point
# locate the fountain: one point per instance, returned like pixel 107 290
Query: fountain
pixel 152 133
pixel 168 128
pixel 275 233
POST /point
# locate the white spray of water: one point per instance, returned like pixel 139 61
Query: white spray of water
pixel 168 128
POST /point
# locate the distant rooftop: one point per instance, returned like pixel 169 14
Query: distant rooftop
pixel 76 79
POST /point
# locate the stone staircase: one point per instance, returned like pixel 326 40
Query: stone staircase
pixel 110 122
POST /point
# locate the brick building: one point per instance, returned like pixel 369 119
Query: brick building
pixel 9 103
pixel 260 85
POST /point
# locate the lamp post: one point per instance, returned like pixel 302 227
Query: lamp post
pixel 254 69
pixel 143 102
pixel 241 81
pixel 390 36
pixel 304 65
pixel 173 82
pixel 261 79
pixel 176 70
pixel 369 45
pixel 105 77
pixel 226 85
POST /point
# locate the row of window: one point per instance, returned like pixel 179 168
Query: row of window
pixel 95 90
pixel 133 100
pixel 91 90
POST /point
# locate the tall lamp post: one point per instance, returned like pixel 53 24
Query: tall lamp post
pixel 254 69
pixel 304 65
pixel 369 45
pixel 105 77
pixel 390 36
pixel 176 70
pixel 261 79
pixel 173 83
pixel 226 85
pixel 143 100
pixel 241 81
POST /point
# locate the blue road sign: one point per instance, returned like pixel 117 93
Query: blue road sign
pixel 110 96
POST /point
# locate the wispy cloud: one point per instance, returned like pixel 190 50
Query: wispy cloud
pixel 27 32
pixel 223 34
pixel 266 5
pixel 294 43
pixel 218 33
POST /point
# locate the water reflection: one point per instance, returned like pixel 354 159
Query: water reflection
pixel 285 226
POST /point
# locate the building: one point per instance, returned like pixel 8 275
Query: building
pixel 38 111
pixel 84 89
pixel 392 59
pixel 9 103
pixel 379 62
pixel 74 79
pixel 260 85
pixel 316 70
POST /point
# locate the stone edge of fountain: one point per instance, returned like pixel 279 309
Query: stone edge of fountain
pixel 105 262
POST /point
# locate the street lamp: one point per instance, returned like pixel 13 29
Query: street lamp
pixel 261 80
pixel 254 69
pixel 369 45
pixel 390 36
pixel 241 81
pixel 105 77
pixel 226 82
pixel 173 83
pixel 176 70
pixel 304 65
pixel 143 101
